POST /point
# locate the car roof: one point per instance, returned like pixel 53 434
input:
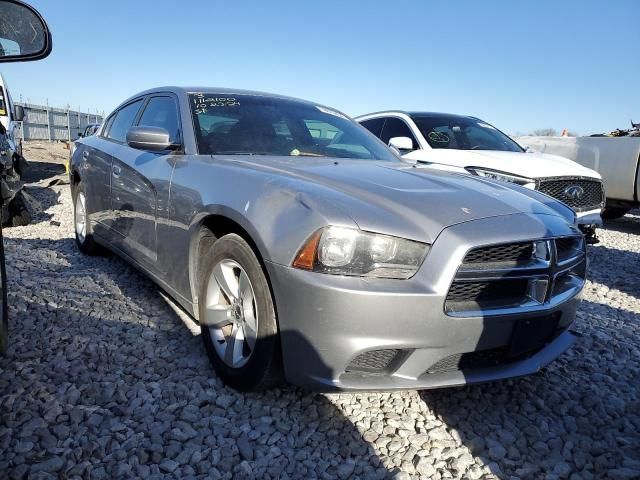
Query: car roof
pixel 418 114
pixel 218 90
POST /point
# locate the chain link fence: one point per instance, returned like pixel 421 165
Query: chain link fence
pixel 47 123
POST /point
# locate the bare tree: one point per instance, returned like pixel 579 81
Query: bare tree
pixel 545 132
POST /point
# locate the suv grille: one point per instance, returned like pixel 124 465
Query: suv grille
pixel 517 275
pixel 588 194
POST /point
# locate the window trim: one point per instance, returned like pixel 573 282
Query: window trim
pixel 115 115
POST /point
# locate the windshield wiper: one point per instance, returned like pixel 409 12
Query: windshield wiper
pixel 240 152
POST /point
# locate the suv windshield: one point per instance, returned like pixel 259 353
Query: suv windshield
pixel 463 133
pixel 243 124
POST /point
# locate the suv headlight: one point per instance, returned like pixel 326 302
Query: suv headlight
pixel 502 176
pixel 348 251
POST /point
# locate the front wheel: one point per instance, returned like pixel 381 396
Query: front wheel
pixel 612 213
pixel 237 316
pixel 82 224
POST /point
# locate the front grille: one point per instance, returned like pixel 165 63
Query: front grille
pixel 568 247
pixel 516 275
pixel 470 361
pixel 588 194
pixel 512 252
pixel 486 293
pixel 374 361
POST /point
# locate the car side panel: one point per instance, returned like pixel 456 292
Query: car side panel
pixel 139 195
pixel 93 164
pixel 277 221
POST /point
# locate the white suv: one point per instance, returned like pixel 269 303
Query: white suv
pixel 469 145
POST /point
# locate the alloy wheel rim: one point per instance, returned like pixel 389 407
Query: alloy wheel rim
pixel 81 217
pixel 231 314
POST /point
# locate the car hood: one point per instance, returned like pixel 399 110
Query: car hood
pixel 530 165
pixel 399 199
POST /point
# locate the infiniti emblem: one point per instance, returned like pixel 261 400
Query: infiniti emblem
pixel 574 192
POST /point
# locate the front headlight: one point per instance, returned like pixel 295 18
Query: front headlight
pixel 502 176
pixel 347 251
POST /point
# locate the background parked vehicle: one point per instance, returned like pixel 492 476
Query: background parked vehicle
pixel 294 237
pixel 24 36
pixel 469 145
pixel 616 158
pixel 10 116
pixel 90 129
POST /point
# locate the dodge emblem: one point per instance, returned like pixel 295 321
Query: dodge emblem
pixel 574 192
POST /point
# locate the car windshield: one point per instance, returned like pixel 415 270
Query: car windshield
pixel 463 133
pixel 244 124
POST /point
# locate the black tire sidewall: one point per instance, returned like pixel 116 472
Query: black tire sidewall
pixel 263 369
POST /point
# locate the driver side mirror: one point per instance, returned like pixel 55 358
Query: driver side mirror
pixel 155 139
pixel 401 143
pixel 24 35
pixel 19 113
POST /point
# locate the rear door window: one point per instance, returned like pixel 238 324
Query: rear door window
pixel 123 121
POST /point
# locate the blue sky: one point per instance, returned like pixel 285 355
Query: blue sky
pixel 519 65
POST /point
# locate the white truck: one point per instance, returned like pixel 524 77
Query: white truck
pixel 10 116
pixel 616 158
pixel 469 145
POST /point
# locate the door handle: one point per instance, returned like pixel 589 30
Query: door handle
pixel 85 154
pixel 116 171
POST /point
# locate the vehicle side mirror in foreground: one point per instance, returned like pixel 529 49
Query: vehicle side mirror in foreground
pixel 150 138
pixel 19 113
pixel 401 143
pixel 24 35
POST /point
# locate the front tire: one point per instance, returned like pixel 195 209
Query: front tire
pixel 613 213
pixel 82 225
pixel 237 316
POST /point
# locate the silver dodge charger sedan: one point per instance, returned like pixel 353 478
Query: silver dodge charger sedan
pixel 308 251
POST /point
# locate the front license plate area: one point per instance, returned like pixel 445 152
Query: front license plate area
pixel 531 334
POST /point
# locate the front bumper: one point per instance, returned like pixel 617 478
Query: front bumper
pixel 590 218
pixel 328 321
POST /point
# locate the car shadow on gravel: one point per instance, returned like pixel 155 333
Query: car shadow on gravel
pixel 102 380
pixel 580 414
pixel 629 223
pixel 40 170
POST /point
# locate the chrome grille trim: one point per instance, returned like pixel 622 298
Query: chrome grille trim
pixel 593 198
pixel 555 272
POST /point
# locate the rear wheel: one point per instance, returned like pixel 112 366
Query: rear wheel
pixel 82 224
pixel 611 213
pixel 237 316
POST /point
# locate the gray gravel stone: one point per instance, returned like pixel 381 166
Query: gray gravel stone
pixel 110 384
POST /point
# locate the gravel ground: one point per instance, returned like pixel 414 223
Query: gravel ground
pixel 103 380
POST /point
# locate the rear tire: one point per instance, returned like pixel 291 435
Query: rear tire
pixel 236 312
pixel 82 225
pixel 612 213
